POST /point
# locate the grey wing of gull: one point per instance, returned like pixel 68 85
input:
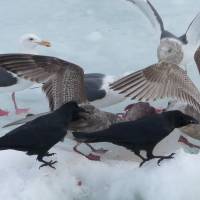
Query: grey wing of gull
pixel 32 67
pixel 160 80
pixel 151 13
pixel 94 75
pixel 193 32
pixel 93 86
pixel 197 58
pixel 64 81
pixel 6 78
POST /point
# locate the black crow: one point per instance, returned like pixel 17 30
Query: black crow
pixel 141 134
pixel 41 134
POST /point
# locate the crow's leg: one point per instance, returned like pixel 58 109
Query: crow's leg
pixel 90 156
pixel 49 154
pixel 141 157
pixel 161 158
pixel 50 163
pixel 100 151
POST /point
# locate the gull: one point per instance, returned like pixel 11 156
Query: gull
pixel 9 82
pixel 179 50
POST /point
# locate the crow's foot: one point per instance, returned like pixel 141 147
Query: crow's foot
pixel 165 157
pixel 50 164
pixel 143 161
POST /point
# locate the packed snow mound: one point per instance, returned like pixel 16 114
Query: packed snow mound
pixel 104 36
pixel 77 178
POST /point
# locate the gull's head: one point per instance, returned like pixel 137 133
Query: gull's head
pixel 31 41
pixel 170 50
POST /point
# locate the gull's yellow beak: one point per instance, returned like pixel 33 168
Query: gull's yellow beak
pixel 44 43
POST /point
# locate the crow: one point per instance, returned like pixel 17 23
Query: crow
pixel 141 134
pixel 40 135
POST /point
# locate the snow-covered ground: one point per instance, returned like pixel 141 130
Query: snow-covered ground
pixel 109 36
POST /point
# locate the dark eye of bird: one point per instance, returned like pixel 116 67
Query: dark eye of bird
pixel 170 50
pixel 31 39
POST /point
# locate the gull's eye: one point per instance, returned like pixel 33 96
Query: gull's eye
pixel 169 50
pixel 31 39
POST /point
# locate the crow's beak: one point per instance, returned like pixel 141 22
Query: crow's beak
pixel 194 121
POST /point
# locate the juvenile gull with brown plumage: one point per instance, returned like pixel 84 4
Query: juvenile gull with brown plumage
pixel 179 50
pixel 157 81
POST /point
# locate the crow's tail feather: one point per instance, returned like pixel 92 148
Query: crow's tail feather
pixel 4 144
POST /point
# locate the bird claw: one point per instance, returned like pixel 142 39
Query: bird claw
pixel 143 162
pixel 165 157
pixel 50 164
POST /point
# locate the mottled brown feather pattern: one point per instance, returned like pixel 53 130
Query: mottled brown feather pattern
pixel 197 58
pixel 159 81
pixel 63 81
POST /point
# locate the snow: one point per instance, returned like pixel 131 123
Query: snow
pixel 107 36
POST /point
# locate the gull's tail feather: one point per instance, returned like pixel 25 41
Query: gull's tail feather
pixel 100 136
pixel 25 120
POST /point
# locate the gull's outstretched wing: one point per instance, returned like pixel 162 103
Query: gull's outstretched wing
pixel 197 58
pixel 63 81
pixel 193 32
pixel 160 80
pixel 151 13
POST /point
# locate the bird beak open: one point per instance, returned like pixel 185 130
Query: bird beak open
pixel 44 43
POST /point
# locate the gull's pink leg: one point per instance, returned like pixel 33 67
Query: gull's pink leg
pixel 90 156
pixel 3 113
pixel 18 110
pixel 100 151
